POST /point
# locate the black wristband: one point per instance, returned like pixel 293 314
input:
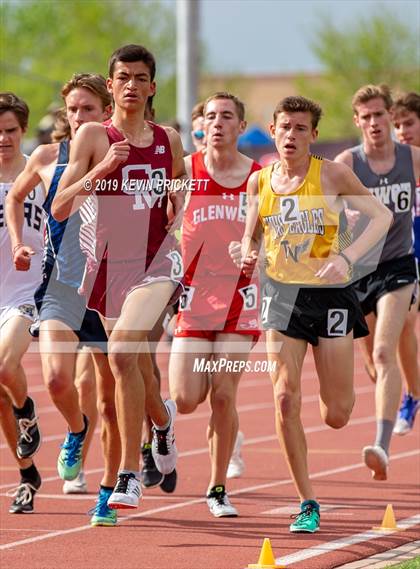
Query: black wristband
pixel 341 254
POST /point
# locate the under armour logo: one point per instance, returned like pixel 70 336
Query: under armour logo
pixel 160 149
pixel 230 197
pixel 383 181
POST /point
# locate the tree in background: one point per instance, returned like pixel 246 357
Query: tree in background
pixel 43 43
pixel 378 49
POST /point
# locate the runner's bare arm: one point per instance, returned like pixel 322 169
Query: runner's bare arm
pixel 27 181
pixel 345 157
pixel 245 253
pixel 352 215
pixel 177 197
pixel 253 228
pixel 340 179
pixel 91 159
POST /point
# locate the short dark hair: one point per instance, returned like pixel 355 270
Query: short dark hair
pixel 369 92
pixel 149 111
pixel 240 107
pixel 11 102
pixel 61 129
pixel 299 104
pixel 130 53
pixel 198 111
pixel 407 102
pixel 93 82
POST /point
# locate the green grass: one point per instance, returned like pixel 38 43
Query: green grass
pixel 412 564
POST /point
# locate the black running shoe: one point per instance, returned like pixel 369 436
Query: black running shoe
pixel 168 483
pixel 150 475
pixel 29 439
pixel 24 494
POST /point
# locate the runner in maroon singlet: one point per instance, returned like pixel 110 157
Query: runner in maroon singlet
pixel 133 268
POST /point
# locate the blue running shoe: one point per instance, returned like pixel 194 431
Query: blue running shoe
pixel 406 415
pixel 70 458
pixel 102 514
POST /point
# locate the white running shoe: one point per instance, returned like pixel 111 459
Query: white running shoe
pixel 164 449
pixel 127 492
pixel 236 465
pixel 76 486
pixel 220 506
pixel 377 460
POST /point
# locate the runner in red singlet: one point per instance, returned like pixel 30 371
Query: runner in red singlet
pixel 218 318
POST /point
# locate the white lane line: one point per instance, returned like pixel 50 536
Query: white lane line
pixel 402 523
pixel 245 383
pixel 91 497
pixel 283 510
pixel 205 450
pixel 337 544
pixel 202 414
pixel 26 529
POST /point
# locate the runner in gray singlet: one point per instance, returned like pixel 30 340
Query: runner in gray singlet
pixel 388 276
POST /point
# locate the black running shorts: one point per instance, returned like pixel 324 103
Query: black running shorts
pixel 311 313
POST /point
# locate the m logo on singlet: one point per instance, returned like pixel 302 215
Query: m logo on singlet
pixel 147 191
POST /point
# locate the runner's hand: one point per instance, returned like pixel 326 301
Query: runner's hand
pixel 335 270
pixel 117 154
pixel 245 263
pixel 22 258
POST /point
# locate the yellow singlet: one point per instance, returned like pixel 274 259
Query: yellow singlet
pixel 300 228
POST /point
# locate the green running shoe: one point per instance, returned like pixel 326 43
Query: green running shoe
pixel 307 521
pixel 70 458
pixel 102 514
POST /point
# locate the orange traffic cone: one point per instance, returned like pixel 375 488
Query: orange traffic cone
pixel 266 559
pixel 388 522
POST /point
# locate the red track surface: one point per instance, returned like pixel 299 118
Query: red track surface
pixel 177 531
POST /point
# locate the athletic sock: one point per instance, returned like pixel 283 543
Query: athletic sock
pixel 30 473
pixel 106 488
pixel 26 410
pixel 216 490
pixel 384 429
pixel 85 428
pixel 135 472
pixel 312 503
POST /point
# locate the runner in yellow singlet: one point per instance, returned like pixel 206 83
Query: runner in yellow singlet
pixel 296 204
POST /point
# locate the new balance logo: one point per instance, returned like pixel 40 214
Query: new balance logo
pixel 160 149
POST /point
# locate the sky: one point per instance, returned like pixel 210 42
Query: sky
pixel 272 36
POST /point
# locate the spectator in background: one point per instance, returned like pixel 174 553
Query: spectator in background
pixel 197 124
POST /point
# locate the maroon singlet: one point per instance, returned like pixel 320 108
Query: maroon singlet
pixel 132 245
